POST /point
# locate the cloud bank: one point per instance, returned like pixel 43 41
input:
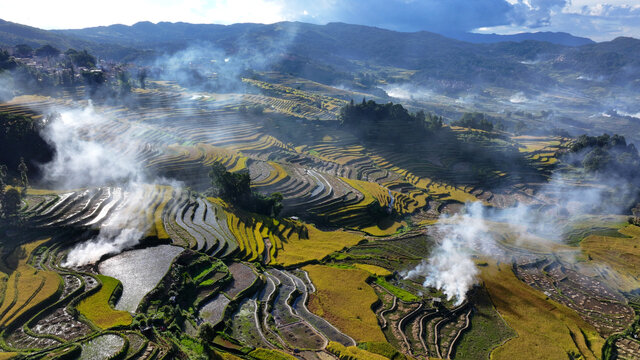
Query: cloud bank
pixel 591 18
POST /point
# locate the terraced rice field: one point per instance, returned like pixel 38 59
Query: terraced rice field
pixel 329 178
pixel 26 286
pixel 213 310
pixel 621 253
pixel 544 326
pixel 349 311
pixel 318 177
pixel 97 309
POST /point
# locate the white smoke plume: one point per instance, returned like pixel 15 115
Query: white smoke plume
pixel 123 230
pixel 451 268
pixel 84 158
pixel 408 91
pixel 6 87
pixel 80 159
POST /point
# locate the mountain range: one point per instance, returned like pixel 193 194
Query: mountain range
pixel 330 53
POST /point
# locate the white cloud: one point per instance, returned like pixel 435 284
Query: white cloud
pixel 599 20
pixel 68 14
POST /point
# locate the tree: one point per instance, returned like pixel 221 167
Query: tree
pixel 47 51
pixel 3 177
pixel 22 169
pixel 123 82
pixel 236 189
pixel 81 58
pixel 475 120
pixel 636 214
pixel 142 77
pixel 23 51
pixel 94 79
pixel 596 160
pixel 6 61
pixel 11 203
pixel 206 332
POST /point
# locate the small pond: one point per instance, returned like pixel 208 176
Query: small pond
pixel 102 347
pixel 139 271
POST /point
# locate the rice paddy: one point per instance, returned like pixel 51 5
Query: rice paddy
pixel 349 311
pixel 325 275
pixel 97 308
pixel 544 327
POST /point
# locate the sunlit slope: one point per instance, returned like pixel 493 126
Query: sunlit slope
pixel 544 327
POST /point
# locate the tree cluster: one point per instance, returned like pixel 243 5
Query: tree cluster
pixel 474 120
pixel 635 219
pixel 7 62
pixel 236 189
pixel 81 58
pixel 10 199
pixel 47 51
pixel 21 142
pixel 387 122
pixel 606 154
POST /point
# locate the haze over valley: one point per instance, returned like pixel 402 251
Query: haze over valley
pixel 288 180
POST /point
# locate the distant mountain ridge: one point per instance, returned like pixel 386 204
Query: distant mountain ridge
pixel 12 34
pixel 558 38
pixel 331 53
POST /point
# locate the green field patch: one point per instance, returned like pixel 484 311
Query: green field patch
pixel 266 354
pixel 488 330
pixel 575 231
pixel 401 294
pixel 97 308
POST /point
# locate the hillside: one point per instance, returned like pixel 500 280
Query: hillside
pixel 327 52
pixel 12 34
pixel 505 62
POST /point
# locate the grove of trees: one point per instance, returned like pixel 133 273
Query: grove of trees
pixel 474 120
pixel 236 189
pixel 605 154
pixel 387 122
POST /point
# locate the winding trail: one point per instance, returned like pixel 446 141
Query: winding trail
pixel 466 326
pixel 385 311
pixel 400 326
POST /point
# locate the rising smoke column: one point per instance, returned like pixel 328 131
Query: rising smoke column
pixel 450 267
pixel 123 229
pixel 82 160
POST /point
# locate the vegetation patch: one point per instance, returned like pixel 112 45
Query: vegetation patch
pixel 266 354
pixel 488 330
pixel 352 352
pixel 373 269
pixel 401 294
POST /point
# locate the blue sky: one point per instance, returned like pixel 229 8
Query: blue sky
pixel 599 20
